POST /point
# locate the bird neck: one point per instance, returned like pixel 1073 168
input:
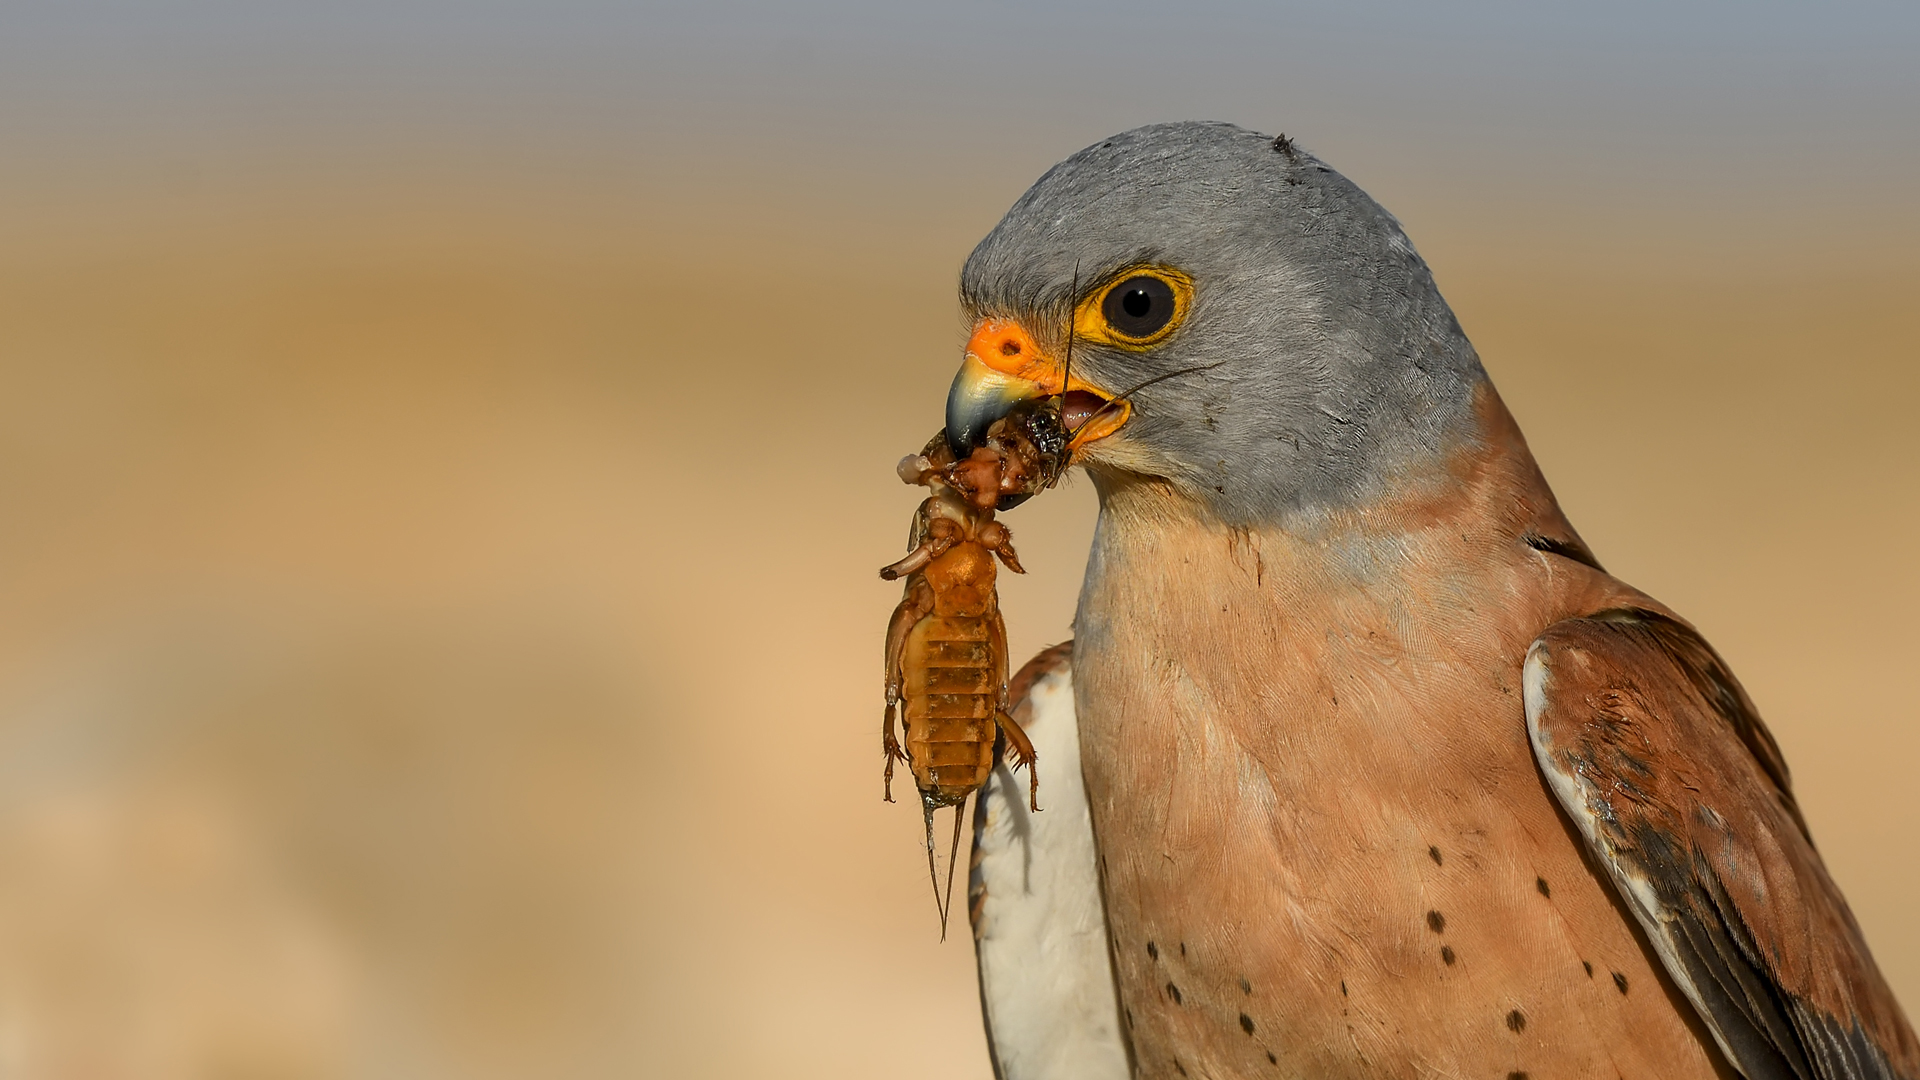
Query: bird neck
pixel 1484 484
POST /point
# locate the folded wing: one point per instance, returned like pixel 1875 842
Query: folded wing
pixel 1660 760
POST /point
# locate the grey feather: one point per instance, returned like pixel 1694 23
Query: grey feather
pixel 1341 367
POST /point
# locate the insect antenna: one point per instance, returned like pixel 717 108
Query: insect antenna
pixel 1059 403
pixel 1066 368
pixel 1102 410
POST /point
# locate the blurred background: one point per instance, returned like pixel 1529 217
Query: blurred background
pixel 445 449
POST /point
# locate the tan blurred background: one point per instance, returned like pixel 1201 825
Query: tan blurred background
pixel 445 449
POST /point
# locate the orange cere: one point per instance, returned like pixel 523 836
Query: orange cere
pixel 1005 346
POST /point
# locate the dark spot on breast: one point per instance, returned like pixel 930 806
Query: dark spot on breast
pixel 1246 1023
pixel 1179 1068
pixel 1174 993
pixel 1516 1021
pixel 1620 981
pixel 1271 1060
pixel 1183 948
pixel 1436 922
pixel 1516 1076
pixel 1446 954
pixel 1343 988
pixel 1541 884
pixel 1245 986
pixel 1153 950
pixel 1589 966
pixel 1434 854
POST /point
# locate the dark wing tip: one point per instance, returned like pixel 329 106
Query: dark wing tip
pixel 1651 745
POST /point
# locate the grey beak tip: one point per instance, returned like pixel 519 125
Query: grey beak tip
pixel 980 396
pixel 965 424
pixel 961 444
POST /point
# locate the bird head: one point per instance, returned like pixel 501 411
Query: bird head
pixel 1218 310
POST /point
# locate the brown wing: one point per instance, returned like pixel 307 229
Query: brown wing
pixel 1659 758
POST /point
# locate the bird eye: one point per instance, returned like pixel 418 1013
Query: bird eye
pixel 1139 307
pixel 1146 303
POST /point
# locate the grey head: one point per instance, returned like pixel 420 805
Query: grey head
pixel 1336 369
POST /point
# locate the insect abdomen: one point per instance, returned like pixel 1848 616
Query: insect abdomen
pixel 952 695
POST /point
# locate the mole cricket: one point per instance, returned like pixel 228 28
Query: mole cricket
pixel 946 658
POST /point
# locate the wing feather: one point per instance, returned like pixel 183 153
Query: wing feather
pixel 1660 759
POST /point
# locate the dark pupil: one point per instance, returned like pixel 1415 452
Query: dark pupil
pixel 1139 307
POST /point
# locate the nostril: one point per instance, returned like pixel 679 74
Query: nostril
pixel 1010 347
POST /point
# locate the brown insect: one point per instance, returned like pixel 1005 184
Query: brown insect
pixel 946 662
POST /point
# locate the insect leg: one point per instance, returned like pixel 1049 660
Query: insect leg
pixel 999 539
pixel 940 536
pixel 890 746
pixel 1020 746
pixel 1020 749
pixel 916 605
pixel 916 559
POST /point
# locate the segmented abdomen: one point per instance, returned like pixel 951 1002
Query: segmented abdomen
pixel 952 695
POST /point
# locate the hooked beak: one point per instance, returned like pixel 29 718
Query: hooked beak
pixel 981 395
pixel 1003 367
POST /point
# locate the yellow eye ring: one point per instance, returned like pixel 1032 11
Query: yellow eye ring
pixel 1137 308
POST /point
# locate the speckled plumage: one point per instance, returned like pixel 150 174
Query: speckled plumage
pixel 1326 845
